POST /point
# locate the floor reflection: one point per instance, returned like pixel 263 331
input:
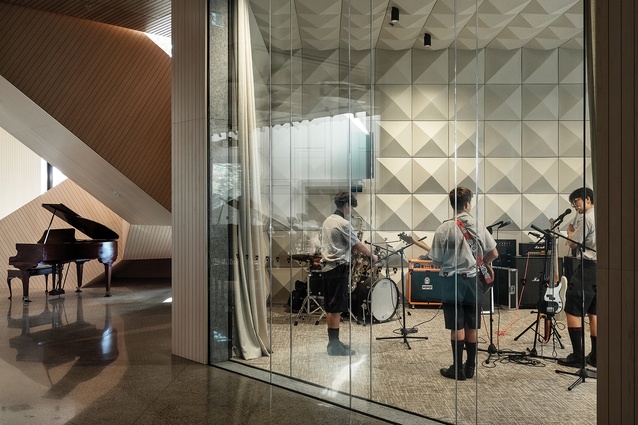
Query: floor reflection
pixel 53 338
pixel 93 360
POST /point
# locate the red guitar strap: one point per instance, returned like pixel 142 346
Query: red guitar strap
pixel 475 251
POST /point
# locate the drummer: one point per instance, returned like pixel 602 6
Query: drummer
pixel 338 238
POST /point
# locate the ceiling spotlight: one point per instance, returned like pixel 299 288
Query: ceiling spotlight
pixel 427 40
pixel 394 15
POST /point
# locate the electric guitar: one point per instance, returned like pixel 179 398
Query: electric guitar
pixel 552 302
pixel 410 240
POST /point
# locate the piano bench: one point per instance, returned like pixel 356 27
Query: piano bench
pixel 40 270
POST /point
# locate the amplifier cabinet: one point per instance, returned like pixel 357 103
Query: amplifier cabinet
pixel 424 283
pixel 506 287
pixel 532 269
pixel 425 286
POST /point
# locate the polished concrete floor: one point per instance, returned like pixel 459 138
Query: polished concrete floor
pixel 86 359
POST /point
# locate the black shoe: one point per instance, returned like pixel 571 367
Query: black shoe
pixel 571 361
pixel 591 359
pixel 452 373
pixel 468 369
pixel 338 348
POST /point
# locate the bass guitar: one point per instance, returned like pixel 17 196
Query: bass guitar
pixel 552 302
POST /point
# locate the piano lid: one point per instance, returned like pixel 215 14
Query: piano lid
pixel 88 227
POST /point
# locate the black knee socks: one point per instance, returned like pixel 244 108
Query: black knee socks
pixel 333 334
pixel 471 352
pixel 576 337
pixel 457 352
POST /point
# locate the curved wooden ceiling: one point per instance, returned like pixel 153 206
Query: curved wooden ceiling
pixel 151 16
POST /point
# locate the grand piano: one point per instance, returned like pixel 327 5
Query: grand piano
pixel 59 246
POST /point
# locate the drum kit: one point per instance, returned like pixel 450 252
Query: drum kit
pixel 375 297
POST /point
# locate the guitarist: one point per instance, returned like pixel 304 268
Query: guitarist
pixel 583 278
pixel 451 252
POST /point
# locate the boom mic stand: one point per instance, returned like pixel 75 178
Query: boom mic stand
pixel 583 373
pixel 492 349
pixel 404 330
pixel 543 278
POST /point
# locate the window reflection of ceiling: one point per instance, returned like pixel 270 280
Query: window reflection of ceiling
pixel 502 24
pixel 321 25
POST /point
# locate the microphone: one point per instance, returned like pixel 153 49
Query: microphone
pixel 538 229
pixel 489 228
pixel 536 235
pixel 505 223
pixel 560 218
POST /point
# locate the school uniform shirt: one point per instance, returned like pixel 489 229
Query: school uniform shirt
pixel 585 230
pixel 337 239
pixel 451 252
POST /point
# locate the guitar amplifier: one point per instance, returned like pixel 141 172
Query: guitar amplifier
pixel 424 283
pixel 425 286
pixel 532 269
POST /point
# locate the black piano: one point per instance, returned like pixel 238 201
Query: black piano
pixel 59 246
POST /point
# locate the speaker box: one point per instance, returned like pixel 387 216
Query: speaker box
pixel 532 270
pixel 425 286
pixel 506 253
pixel 506 287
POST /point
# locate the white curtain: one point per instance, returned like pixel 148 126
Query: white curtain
pixel 250 286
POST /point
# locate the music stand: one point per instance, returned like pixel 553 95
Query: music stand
pixel 583 373
pixel 404 330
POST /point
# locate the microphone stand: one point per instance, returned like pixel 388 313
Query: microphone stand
pixel 543 278
pixel 492 349
pixel 404 330
pixel 583 373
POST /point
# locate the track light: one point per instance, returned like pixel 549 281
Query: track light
pixel 427 40
pixel 394 15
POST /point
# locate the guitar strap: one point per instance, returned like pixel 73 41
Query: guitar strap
pixel 475 250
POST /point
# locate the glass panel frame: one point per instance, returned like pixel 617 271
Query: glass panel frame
pixel 312 137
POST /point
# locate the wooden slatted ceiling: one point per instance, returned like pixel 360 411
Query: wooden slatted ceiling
pixel 109 86
pixel 152 16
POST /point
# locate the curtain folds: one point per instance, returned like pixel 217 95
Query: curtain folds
pixel 250 285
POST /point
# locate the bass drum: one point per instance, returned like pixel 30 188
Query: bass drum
pixel 383 300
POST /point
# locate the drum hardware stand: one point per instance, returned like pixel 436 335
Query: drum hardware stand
pixel 310 305
pixel 404 330
pixel 583 373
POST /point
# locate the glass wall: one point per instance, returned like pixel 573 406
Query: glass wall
pixel 345 96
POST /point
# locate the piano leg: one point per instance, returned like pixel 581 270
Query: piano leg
pixel 25 285
pixel 79 266
pixel 107 274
